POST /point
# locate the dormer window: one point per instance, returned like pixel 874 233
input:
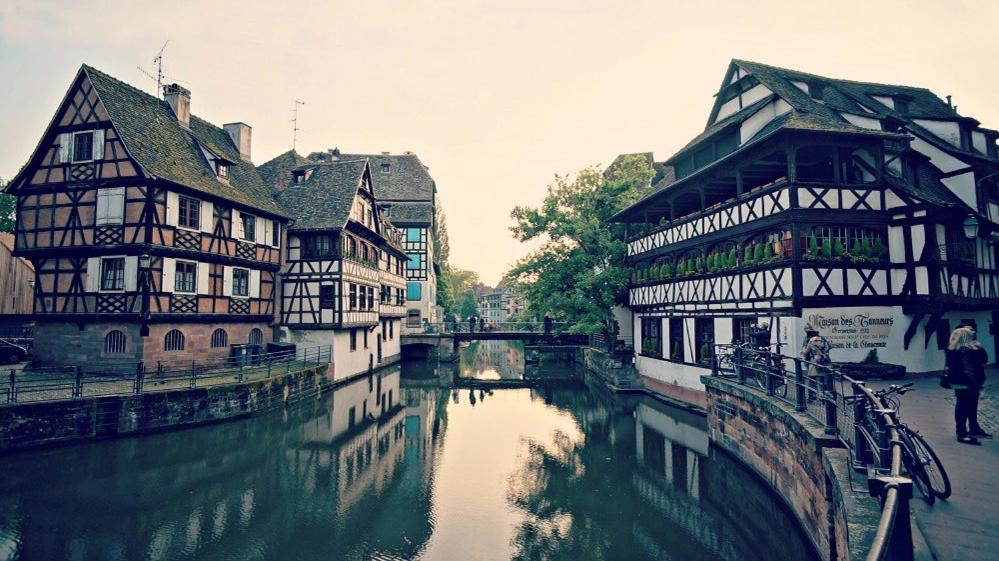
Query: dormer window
pixel 901 104
pixel 385 168
pixel 222 169
pixel 815 90
pixel 298 177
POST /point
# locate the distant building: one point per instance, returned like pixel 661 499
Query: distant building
pixel 869 211
pixel 500 304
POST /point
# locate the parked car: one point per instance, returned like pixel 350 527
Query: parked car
pixel 11 353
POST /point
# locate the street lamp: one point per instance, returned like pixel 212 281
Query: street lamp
pixel 971 227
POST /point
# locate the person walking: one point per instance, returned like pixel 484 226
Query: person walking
pixel 548 323
pixel 816 353
pixel 966 375
pixel 482 324
pixel 471 324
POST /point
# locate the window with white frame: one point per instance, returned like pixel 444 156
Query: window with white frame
pixel 188 212
pixel 186 277
pixel 240 282
pixel 222 169
pixel 110 206
pixel 113 273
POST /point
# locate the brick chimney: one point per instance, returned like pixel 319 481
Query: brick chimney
pixel 179 99
pixel 240 135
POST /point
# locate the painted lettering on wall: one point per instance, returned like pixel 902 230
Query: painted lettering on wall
pixel 854 331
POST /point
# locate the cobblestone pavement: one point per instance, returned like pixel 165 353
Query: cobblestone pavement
pixel 965 527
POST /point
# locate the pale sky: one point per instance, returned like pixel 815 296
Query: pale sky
pixel 495 97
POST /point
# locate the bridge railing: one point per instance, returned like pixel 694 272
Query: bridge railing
pixel 845 408
pixel 123 377
pixel 497 327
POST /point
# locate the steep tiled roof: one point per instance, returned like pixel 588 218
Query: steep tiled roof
pixel 165 149
pixel 324 200
pixel 407 178
pixel 923 104
pixel 410 213
pixel 276 173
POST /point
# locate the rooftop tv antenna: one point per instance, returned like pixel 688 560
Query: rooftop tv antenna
pixel 294 120
pixel 158 63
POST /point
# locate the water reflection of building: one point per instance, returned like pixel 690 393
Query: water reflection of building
pixel 492 359
pixel 305 474
pixel 705 494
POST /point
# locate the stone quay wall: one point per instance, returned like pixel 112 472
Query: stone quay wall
pixel 28 425
pixel 808 469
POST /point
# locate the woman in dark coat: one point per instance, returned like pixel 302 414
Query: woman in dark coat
pixel 966 375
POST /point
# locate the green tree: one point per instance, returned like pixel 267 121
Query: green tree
pixel 8 205
pixel 578 272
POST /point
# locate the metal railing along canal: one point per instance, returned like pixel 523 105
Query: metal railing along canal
pixel 846 408
pixel 125 377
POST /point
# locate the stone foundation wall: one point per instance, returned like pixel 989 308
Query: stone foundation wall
pixel 807 468
pixel 69 344
pixel 27 425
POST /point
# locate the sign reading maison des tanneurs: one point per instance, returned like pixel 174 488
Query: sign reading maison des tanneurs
pixel 852 329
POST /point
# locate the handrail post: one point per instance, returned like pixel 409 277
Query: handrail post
pixel 828 391
pixel 12 393
pixel 77 381
pixel 800 402
pixel 901 532
pixel 738 365
pixel 137 386
pixel 861 450
pixel 768 372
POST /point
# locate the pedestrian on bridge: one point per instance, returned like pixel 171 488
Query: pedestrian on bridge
pixel 548 324
pixel 966 375
pixel 482 324
pixel 471 324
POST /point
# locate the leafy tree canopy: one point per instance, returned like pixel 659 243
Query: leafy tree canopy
pixel 578 273
pixel 8 204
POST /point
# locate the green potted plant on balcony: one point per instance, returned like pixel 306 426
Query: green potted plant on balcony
pixel 747 257
pixel 758 253
pixel 681 268
pixel 827 251
pixel 733 258
pixel 838 251
pixel 768 252
pixel 666 271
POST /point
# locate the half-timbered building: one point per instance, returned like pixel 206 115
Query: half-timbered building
pixel 151 233
pixel 867 210
pixel 342 278
pixel 408 195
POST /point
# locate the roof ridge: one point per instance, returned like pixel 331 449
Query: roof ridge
pixel 813 75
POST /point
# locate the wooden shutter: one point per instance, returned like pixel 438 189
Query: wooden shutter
pixel 172 209
pixel 93 274
pixel 111 205
pixel 227 281
pixel 65 139
pixel 203 278
pixel 236 231
pixel 99 144
pixel 207 217
pixel 254 283
pixel 268 232
pixel 169 274
pixel 131 272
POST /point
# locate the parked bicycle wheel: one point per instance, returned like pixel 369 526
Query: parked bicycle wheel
pixel 936 478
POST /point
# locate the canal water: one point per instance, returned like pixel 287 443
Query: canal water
pixel 402 465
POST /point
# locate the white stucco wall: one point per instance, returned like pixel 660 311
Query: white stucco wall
pixel 947 130
pixel 862 121
pixel 758 120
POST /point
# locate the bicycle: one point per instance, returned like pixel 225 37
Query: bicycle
pixel 922 463
pixel 757 364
